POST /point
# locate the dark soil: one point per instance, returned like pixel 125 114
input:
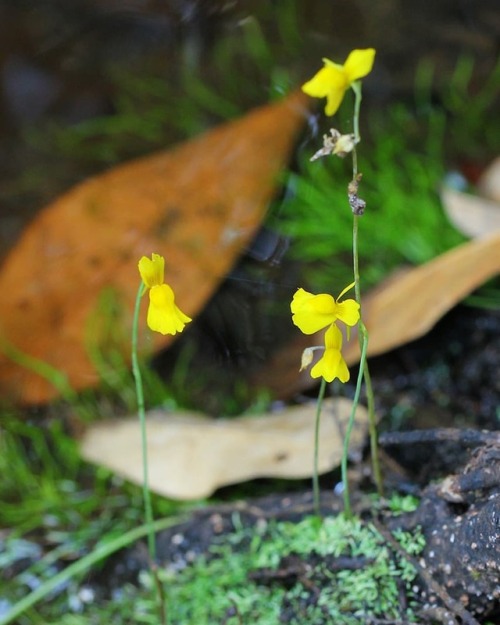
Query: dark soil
pixel 459 571
pixel 446 385
pixel 449 378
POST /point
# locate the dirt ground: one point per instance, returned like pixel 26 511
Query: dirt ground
pixel 448 454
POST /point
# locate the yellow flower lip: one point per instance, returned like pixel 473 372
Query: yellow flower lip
pixel 333 80
pixel 332 365
pixel 163 314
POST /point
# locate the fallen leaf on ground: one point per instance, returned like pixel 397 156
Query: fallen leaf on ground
pixel 476 215
pixel 412 304
pixel 198 204
pixel 190 456
pixel 472 215
pixel 489 184
pixel 401 309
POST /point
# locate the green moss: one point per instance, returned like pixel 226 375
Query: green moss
pixel 216 588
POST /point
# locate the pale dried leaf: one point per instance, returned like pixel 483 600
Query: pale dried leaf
pixel 489 183
pixel 190 456
pixel 472 215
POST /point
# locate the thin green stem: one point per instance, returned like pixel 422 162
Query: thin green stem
pixel 372 424
pixel 363 333
pixel 148 507
pixel 315 477
pixel 355 259
pixel 348 432
pixel 146 493
pixel 356 87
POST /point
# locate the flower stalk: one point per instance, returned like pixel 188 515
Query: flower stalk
pixel 362 331
pixel 314 312
pixel 317 421
pixel 166 318
pixel 139 389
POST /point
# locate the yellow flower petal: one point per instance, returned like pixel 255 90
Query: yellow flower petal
pixel 152 270
pixel 333 80
pixel 333 102
pixel 311 313
pixel 330 83
pixel 359 63
pixel 329 77
pixel 163 314
pixel 348 312
pixel 333 338
pixel 332 365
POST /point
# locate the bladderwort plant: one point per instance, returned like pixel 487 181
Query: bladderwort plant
pixel 312 313
pixel 166 318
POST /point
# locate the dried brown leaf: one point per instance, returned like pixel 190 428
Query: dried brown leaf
pixel 489 183
pixel 472 215
pixel 198 204
pixel 410 306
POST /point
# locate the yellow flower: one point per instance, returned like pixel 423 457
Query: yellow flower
pixel 152 270
pixel 333 80
pixel 331 365
pixel 163 314
pixel 311 313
